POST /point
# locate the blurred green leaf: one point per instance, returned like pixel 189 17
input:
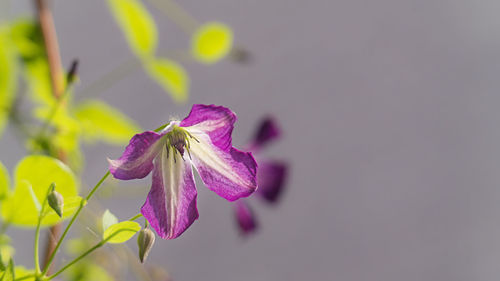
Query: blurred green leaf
pixel 121 232
pixel 67 129
pixel 211 42
pixel 4 181
pixel 34 174
pixel 101 121
pixel 37 76
pixel 6 252
pixel 8 76
pixel 171 76
pixel 108 219
pixel 137 24
pixel 28 40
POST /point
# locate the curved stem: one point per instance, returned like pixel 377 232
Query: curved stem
pixel 86 253
pixel 135 217
pixel 82 204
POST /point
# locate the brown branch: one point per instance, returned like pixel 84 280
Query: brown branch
pixel 57 80
pixel 51 47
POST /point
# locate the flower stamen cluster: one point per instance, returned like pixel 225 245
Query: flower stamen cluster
pixel 179 139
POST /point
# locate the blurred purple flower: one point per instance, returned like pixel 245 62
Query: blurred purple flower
pixel 244 217
pixel 205 135
pixel 271 177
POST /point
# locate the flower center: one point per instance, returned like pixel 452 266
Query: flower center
pixel 179 140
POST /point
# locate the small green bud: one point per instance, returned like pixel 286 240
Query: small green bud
pixel 145 242
pixel 56 202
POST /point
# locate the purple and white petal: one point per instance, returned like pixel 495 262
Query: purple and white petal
pixel 137 160
pixel 215 121
pixel 231 174
pixel 271 179
pixel 170 207
pixel 245 218
pixel 267 131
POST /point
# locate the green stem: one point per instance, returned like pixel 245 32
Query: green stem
pixel 86 253
pixel 37 232
pixel 135 217
pixel 82 204
pixel 95 247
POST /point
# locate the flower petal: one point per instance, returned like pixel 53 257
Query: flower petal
pixel 215 121
pixel 271 179
pixel 170 206
pixel 231 174
pixel 245 218
pixel 137 160
pixel 267 131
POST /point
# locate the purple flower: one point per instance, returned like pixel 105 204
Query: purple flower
pixel 271 177
pixel 202 140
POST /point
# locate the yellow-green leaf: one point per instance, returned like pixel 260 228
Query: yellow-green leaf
pixel 8 71
pixel 137 24
pixel 34 174
pixel 4 181
pixel 171 76
pixel 121 232
pixel 211 42
pixel 101 121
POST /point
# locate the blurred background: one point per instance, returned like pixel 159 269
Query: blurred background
pixel 390 116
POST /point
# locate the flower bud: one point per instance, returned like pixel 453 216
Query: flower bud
pixel 72 74
pixel 145 241
pixel 56 202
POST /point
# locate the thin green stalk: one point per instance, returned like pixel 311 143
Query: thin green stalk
pixel 95 247
pixel 86 253
pixel 177 14
pixel 82 204
pixel 37 232
pixel 135 217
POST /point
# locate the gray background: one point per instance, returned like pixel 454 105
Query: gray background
pixel 390 110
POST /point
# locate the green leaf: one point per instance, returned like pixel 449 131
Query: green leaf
pixel 137 24
pixel 211 42
pixel 101 121
pixel 8 79
pixel 4 182
pixel 33 175
pixel 108 219
pixel 171 76
pixel 121 232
